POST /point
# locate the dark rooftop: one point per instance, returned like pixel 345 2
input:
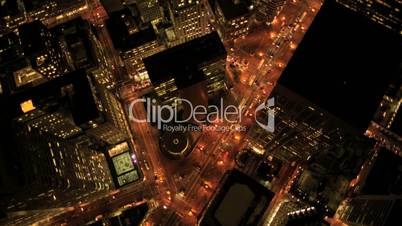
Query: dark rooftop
pixel 396 126
pixel 11 48
pixel 8 8
pixel 78 42
pixel 31 5
pixel 344 65
pixel 232 9
pixel 384 177
pixel 112 5
pixel 32 37
pixel 122 25
pixel 71 26
pixel 239 201
pixel 182 62
pixel 82 105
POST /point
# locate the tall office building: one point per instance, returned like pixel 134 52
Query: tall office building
pixel 56 161
pixel 386 12
pixel 55 157
pixel 13 67
pixel 199 63
pixel 119 153
pixel 370 210
pixel 150 10
pixel 42 51
pixel 232 17
pixel 190 19
pixel 113 110
pixel 8 8
pixel 74 39
pixel 333 66
pixel 134 40
pixel 10 48
pixel 266 10
pixel 383 176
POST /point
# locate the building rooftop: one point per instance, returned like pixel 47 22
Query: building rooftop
pixel 182 62
pixel 239 201
pixel 76 35
pixel 9 8
pixel 32 36
pixel 344 65
pixel 384 177
pixel 126 32
pixel 232 9
pixel 112 5
pixel 396 126
pixel 10 48
pixel 181 4
pixel 45 95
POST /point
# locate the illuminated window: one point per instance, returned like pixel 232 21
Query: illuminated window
pixel 27 106
pixel 119 148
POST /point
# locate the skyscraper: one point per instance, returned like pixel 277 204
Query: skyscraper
pixel 149 10
pixel 266 10
pixel 232 17
pixel 200 61
pixel 134 39
pixel 386 12
pixel 40 48
pixel 190 19
pixel 370 210
pixel 334 66
pixel 55 159
pixel 74 38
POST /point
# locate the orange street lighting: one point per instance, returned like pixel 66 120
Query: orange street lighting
pixel 191 212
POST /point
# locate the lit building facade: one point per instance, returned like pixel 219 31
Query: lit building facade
pixel 10 47
pixel 134 39
pixel 203 62
pixel 56 161
pixel 150 10
pixel 63 146
pixel 307 123
pixel 190 19
pixel 40 48
pixel 232 17
pixel 386 12
pixel 370 210
pixel 73 37
pixel 215 72
pixel 266 10
pixel 49 12
pixel 301 128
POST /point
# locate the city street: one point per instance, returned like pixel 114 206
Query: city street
pixel 182 188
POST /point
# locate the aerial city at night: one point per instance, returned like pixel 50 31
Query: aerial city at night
pixel 201 112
